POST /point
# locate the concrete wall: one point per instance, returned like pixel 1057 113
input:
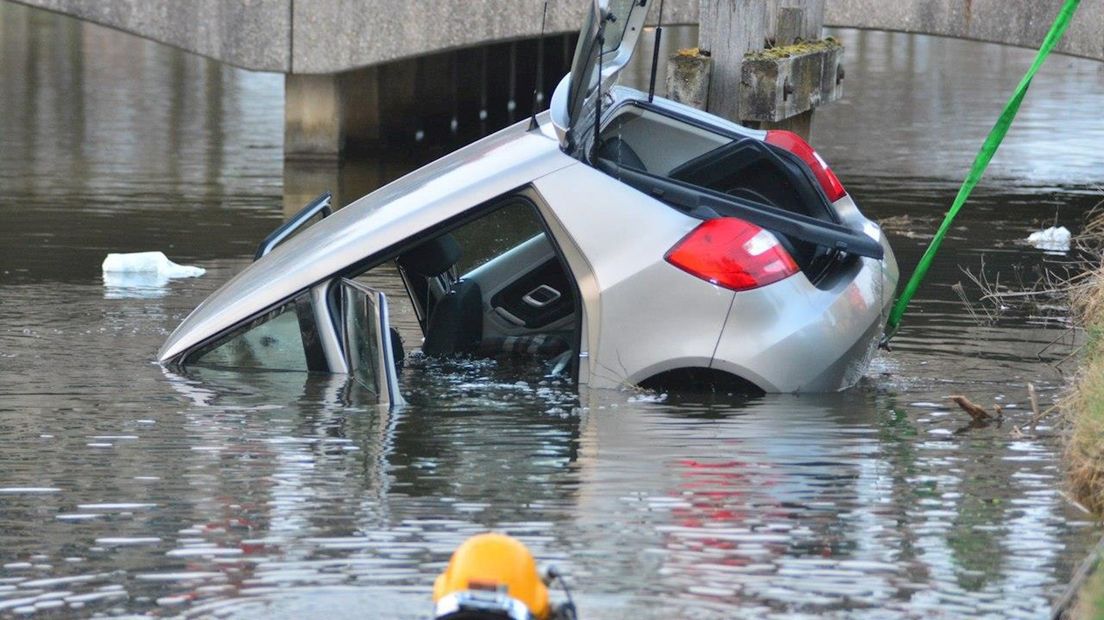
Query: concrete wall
pixel 253 34
pixel 334 35
pixel 328 36
pixel 1022 23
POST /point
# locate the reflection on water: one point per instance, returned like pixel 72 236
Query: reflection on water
pixel 113 144
pixel 920 107
pixel 126 489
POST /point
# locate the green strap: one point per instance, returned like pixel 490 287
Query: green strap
pixel 992 143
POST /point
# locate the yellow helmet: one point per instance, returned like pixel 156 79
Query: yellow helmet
pixel 492 575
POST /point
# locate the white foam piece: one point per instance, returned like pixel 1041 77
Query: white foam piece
pixel 149 263
pixel 1053 239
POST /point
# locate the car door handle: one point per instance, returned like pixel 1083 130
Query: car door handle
pixel 541 296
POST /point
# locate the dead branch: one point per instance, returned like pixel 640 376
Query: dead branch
pixel 977 412
pixel 1038 417
pixel 1049 292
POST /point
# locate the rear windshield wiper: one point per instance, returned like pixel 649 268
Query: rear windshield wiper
pixel 697 200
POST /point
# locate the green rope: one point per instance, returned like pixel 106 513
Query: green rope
pixel 992 143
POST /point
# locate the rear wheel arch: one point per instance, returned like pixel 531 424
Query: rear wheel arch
pixel 700 379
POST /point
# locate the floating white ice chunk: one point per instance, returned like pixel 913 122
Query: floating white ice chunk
pixel 142 274
pixel 149 263
pixel 1053 239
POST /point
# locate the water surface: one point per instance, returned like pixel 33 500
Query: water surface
pixel 128 489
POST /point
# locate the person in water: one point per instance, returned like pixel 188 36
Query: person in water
pixel 493 576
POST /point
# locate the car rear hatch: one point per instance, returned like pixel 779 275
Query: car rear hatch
pixel 810 224
pixel 772 179
pixel 606 43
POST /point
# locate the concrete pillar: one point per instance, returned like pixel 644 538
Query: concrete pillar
pixel 325 114
pixel 313 117
pixel 802 124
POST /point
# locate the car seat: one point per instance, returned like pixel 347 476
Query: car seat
pixel 455 324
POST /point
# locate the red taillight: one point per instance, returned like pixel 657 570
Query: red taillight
pixel 732 253
pixel 793 143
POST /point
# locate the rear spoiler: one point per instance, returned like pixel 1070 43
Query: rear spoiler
pixel 705 203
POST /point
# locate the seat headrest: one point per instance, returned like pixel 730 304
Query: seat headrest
pixel 431 258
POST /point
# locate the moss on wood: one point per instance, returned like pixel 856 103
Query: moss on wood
pixel 800 48
pixel 692 52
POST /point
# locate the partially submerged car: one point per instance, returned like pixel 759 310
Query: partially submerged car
pixel 618 238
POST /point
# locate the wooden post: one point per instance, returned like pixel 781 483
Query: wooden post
pixel 688 78
pixel 745 92
pixel 729 29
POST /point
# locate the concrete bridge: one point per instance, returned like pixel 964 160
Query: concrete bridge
pixel 353 66
pixel 331 36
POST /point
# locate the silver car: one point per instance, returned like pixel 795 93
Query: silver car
pixel 617 239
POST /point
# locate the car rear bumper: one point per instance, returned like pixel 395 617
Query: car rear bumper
pixel 792 336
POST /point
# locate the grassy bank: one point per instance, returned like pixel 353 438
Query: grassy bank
pixel 1083 408
pixel 1084 404
pixel 1090 600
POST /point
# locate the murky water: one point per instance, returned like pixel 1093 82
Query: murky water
pixel 125 489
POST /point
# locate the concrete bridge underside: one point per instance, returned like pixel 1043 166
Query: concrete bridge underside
pixel 355 68
pixel 331 36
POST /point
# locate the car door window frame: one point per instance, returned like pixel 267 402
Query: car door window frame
pixel 313 352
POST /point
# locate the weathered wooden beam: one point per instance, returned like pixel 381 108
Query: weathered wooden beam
pixel 758 77
pixel 780 83
pixel 791 26
pixel 810 18
pixel 688 78
pixel 729 30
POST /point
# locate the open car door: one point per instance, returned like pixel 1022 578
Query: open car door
pixel 366 340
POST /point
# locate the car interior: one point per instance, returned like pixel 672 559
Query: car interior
pixel 746 169
pixel 493 287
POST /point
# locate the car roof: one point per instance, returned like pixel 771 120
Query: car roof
pixel 447 187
